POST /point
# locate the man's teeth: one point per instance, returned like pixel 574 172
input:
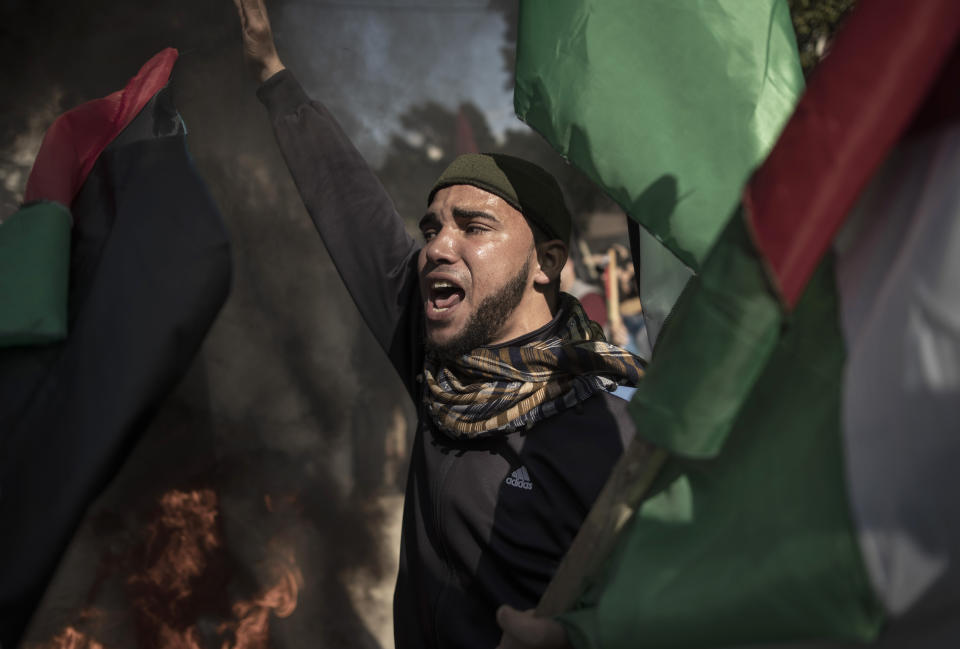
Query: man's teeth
pixel 443 285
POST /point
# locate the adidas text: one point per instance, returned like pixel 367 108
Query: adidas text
pixel 520 479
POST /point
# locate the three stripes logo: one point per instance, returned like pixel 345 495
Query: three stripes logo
pixel 520 479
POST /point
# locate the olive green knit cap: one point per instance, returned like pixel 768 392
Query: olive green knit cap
pixel 528 188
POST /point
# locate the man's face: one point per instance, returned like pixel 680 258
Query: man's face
pixel 477 271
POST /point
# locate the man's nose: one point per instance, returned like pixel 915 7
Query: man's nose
pixel 442 248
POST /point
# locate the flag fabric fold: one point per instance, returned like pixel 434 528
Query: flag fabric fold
pixel 74 142
pixel 666 105
pixel 792 225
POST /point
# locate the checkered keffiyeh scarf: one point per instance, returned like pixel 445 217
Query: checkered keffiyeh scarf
pixel 505 389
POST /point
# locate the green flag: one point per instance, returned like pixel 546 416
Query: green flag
pixel 667 105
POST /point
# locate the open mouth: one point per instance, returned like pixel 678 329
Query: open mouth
pixel 444 295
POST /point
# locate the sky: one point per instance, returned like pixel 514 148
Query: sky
pixel 374 60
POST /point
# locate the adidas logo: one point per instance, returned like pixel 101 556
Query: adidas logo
pixel 520 479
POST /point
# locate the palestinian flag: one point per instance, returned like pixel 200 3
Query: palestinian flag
pixel 809 397
pixel 135 265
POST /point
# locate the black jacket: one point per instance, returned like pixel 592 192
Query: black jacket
pixel 485 521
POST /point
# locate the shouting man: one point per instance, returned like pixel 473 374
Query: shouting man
pixel 518 427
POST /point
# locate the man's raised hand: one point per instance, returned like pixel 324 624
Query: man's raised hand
pixel 258 47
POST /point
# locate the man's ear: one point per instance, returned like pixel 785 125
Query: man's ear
pixel 551 257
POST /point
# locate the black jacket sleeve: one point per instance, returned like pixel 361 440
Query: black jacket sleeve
pixel 363 233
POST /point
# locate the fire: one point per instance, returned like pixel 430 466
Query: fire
pixel 179 541
pixel 252 627
pixel 282 598
pixel 170 638
pixel 179 573
pixel 70 638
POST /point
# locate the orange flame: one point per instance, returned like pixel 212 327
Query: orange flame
pixel 70 638
pixel 170 638
pixel 252 628
pixel 178 564
pixel 179 540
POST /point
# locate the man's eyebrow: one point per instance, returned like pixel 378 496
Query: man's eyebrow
pixel 428 219
pixel 459 213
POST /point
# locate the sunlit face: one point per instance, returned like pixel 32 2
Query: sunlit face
pixel 478 271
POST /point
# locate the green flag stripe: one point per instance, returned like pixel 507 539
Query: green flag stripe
pixel 34 268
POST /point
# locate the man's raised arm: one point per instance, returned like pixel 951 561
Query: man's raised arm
pixel 365 237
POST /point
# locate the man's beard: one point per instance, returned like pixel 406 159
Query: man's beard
pixel 489 316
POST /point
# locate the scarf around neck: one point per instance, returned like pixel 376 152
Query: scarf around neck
pixel 509 388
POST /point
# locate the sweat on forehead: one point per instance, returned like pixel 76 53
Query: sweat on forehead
pixel 522 184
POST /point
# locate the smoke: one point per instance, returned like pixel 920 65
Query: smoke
pixel 18 158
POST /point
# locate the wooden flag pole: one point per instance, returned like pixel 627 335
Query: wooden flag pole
pixel 618 500
pixel 613 290
pixel 620 497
